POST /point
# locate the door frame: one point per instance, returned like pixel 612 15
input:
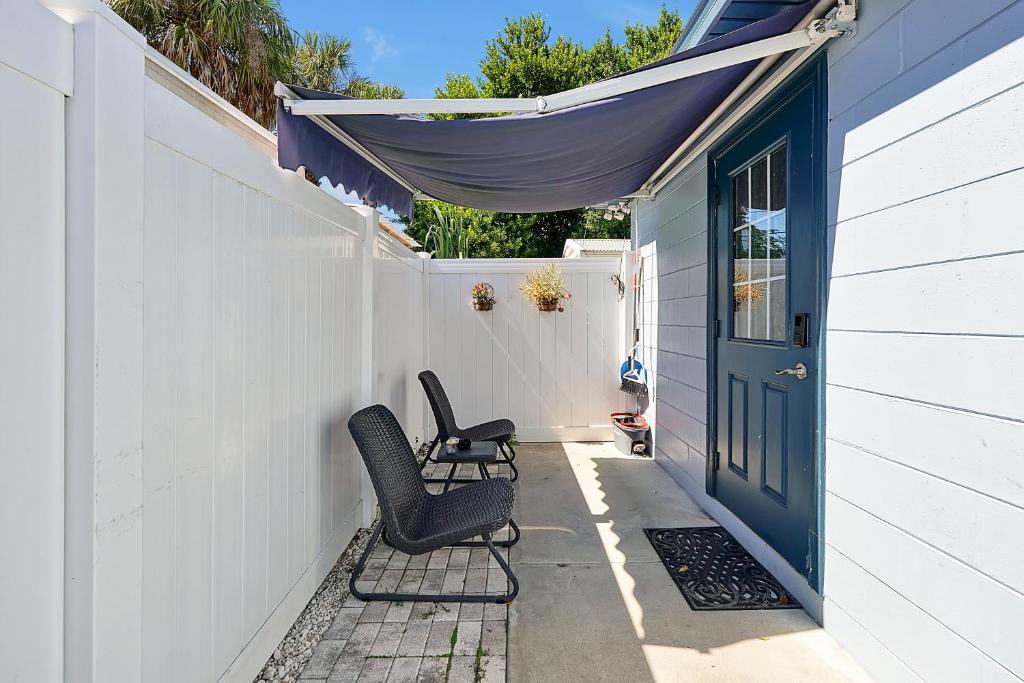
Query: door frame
pixel 814 75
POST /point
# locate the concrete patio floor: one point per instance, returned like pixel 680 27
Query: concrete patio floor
pixel 597 605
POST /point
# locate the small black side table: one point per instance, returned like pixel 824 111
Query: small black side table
pixel 479 453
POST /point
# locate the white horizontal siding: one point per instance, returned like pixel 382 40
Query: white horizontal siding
pixel 978 143
pixel 905 236
pixel 964 524
pixel 885 550
pixel 924 466
pixel 958 297
pixel 927 647
pixel 673 240
pixel 980 453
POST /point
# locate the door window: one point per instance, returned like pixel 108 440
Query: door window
pixel 758 257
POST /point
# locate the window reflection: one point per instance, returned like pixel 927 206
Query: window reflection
pixel 759 249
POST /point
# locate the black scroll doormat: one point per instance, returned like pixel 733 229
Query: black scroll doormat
pixel 714 572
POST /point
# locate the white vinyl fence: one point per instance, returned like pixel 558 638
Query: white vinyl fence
pixel 219 337
pixel 399 309
pixel 175 402
pixel 554 374
pixel 32 344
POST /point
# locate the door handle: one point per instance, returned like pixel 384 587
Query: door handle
pixel 800 371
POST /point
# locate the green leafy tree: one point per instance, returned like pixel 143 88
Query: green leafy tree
pixel 457 86
pixel 649 43
pixel 524 61
pixel 492 234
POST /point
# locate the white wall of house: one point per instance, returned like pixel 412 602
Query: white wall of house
pixel 554 374
pixel 32 343
pixel 925 426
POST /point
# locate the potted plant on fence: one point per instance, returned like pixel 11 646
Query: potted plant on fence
pixel 482 295
pixel 545 287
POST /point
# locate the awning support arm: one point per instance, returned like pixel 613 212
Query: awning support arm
pixel 837 23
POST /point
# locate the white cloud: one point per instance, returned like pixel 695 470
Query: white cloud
pixel 380 47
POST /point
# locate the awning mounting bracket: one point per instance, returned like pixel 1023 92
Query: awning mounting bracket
pixel 840 21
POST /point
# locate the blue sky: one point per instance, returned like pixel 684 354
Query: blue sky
pixel 414 44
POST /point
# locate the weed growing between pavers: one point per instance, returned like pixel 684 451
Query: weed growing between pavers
pixel 451 650
pixel 478 669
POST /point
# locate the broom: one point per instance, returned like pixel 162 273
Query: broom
pixel 631 372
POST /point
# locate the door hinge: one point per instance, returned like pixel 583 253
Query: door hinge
pixel 716 458
pixel 718 329
pixel 812 551
pixel 714 196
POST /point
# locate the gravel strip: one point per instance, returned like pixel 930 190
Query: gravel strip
pixel 294 652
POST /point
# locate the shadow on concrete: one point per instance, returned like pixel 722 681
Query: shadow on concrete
pixel 596 603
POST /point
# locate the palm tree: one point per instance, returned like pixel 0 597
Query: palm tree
pixel 237 48
pixel 324 62
pixel 368 90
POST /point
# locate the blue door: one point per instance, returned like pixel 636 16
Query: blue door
pixel 765 184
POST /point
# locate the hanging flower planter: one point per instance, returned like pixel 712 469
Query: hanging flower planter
pixel 546 288
pixel 482 296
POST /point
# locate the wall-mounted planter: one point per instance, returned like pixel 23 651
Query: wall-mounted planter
pixel 482 296
pixel 548 306
pixel 546 288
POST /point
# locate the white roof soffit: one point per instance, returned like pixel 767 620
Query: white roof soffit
pixel 809 35
pixel 707 12
pixel 833 17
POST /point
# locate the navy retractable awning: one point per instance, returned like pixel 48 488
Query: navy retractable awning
pixel 523 163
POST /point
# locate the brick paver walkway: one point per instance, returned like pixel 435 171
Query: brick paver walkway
pixel 421 641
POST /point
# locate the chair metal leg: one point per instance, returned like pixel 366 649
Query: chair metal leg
pixel 451 477
pixel 515 471
pixel 507 450
pixel 430 597
pixel 430 453
pixel 511 595
pixel 510 455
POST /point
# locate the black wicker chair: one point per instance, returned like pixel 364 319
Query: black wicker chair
pixel 500 431
pixel 415 521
